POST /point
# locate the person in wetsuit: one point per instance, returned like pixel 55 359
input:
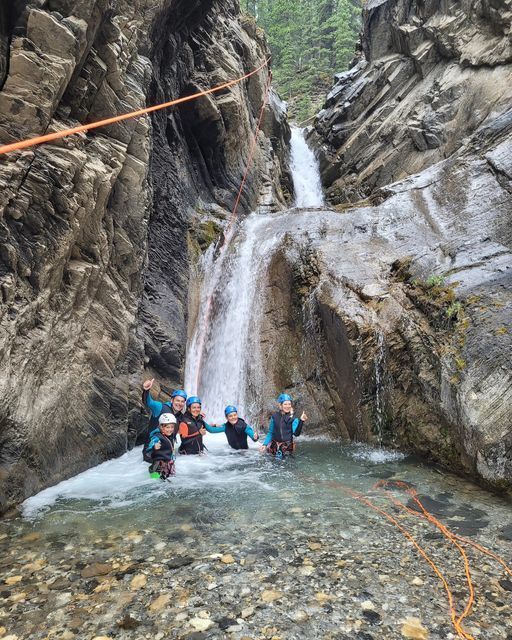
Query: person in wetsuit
pixel 236 429
pixel 157 408
pixel 193 427
pixel 161 448
pixel 282 428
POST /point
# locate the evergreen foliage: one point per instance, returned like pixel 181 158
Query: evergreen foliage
pixel 310 40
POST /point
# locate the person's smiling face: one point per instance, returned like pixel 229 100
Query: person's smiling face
pixel 233 417
pixel 178 403
pixel 195 409
pixel 286 406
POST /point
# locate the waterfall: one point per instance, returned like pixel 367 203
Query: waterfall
pixel 223 352
pixel 380 365
pixel 305 173
pixel 227 351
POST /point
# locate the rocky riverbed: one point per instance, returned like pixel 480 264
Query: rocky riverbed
pixel 254 550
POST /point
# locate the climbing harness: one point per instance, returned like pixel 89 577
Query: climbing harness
pixel 23 144
pixel 281 449
pixel 162 469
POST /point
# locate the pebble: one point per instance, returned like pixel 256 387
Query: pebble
pixel 160 602
pixel 413 629
pixel 299 616
pixel 201 624
pixel 96 569
pixel 269 595
pixel 13 580
pixel 227 558
pixel 417 582
pixel 138 582
pixel 31 537
pixel 367 605
pixel 247 612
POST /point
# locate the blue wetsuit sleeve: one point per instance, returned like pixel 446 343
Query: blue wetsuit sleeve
pixel 153 405
pixel 297 426
pixel 211 429
pixel 270 433
pixel 152 443
pixel 250 432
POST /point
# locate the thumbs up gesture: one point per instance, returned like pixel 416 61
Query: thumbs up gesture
pixel 304 416
pixel 147 384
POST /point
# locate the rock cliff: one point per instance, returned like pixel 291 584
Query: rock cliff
pixel 429 75
pixel 97 230
pixel 409 292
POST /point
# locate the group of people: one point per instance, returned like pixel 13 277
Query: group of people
pixel 183 416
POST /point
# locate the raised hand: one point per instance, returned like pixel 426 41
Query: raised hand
pixel 304 417
pixel 147 384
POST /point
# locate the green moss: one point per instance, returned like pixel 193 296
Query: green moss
pixel 435 282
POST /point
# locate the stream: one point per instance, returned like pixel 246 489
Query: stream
pixel 238 545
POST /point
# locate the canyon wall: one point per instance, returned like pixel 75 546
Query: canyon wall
pixel 98 229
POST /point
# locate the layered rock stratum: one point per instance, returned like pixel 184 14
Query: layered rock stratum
pixel 406 297
pixel 98 230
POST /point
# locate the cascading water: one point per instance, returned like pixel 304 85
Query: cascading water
pixel 227 349
pixel 305 172
pixel 223 343
pixel 380 365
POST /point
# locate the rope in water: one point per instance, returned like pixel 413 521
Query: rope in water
pixel 452 537
pixel 30 142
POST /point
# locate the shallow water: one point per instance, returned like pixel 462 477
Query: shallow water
pixel 272 517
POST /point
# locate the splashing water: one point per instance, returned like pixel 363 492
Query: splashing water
pixel 305 172
pixel 380 364
pixel 224 344
pixel 229 346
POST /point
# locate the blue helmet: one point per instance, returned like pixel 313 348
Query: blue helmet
pixel 193 400
pixel 283 397
pixel 179 393
pixel 230 409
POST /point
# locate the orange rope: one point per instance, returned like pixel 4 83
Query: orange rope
pixel 23 144
pixel 452 537
pixel 453 614
pixel 444 530
pixel 487 552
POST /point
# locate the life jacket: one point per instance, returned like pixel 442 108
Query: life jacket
pixel 235 433
pixel 193 442
pixel 166 450
pixel 283 427
pixel 154 424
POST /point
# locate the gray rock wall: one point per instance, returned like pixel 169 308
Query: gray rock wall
pixel 430 74
pixel 423 264
pixel 94 252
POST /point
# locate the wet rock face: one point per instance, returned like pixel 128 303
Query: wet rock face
pixel 93 258
pixel 425 271
pixel 200 154
pixel 430 75
pixel 400 327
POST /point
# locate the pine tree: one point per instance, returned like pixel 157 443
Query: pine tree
pixel 310 40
